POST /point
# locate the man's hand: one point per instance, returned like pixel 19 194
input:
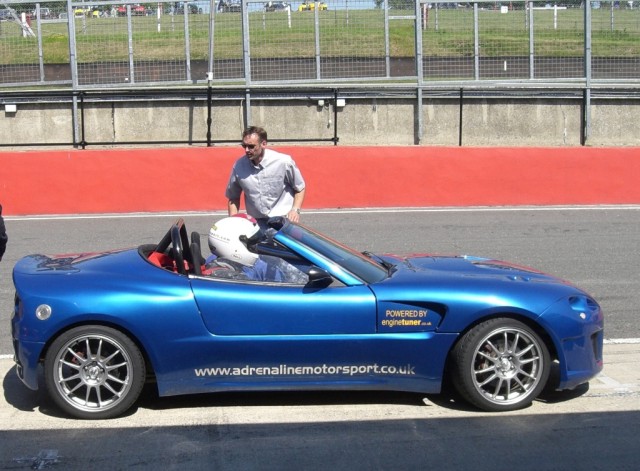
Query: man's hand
pixel 294 215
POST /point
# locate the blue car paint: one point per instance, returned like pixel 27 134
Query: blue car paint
pixel 576 326
pixel 321 355
pixel 147 302
pixel 203 335
pixel 468 287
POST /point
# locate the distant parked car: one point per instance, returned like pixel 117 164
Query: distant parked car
pixel 136 10
pixel 80 12
pixel 5 14
pixel 192 9
pixel 229 6
pixel 311 6
pixel 276 6
pixel 45 13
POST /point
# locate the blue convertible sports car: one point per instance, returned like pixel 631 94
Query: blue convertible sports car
pixel 102 324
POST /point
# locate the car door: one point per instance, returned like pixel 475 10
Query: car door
pixel 263 334
pixel 276 336
pixel 248 308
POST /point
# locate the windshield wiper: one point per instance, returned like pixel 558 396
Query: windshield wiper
pixel 378 260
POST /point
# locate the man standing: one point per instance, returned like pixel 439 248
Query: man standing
pixel 271 182
pixel 3 235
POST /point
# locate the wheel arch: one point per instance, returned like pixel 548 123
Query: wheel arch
pixel 452 380
pixel 151 375
pixel 508 314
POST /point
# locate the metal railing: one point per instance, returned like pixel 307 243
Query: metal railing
pixel 98 44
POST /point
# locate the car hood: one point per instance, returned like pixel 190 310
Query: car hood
pixel 466 266
pixel 459 288
pixel 467 279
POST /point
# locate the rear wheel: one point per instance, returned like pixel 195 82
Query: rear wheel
pixel 94 372
pixel 500 365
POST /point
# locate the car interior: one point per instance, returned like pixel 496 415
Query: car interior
pixel 181 254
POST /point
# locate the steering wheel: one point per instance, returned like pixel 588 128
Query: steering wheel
pixel 178 253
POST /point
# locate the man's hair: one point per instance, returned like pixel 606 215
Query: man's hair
pixel 262 134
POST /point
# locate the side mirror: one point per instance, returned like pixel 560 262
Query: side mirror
pixel 319 278
pixel 277 222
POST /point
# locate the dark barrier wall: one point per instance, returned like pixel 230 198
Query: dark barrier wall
pixel 194 179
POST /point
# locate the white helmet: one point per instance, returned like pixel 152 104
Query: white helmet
pixel 224 239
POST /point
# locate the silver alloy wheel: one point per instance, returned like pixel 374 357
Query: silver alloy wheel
pixel 507 365
pixel 92 372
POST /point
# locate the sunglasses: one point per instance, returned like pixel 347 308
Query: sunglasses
pixel 248 146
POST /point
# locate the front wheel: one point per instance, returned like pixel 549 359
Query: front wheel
pixel 94 372
pixel 500 365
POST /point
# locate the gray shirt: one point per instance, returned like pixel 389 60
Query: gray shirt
pixel 268 187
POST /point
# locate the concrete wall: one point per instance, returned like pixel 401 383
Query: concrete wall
pixel 382 121
pixel 514 152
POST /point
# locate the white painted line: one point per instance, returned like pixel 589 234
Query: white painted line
pixel 610 382
pixel 621 341
pixel 461 209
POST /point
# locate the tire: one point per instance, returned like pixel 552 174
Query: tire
pixel 500 365
pixel 94 372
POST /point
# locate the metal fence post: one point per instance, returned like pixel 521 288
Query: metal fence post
pixel 387 48
pixel 73 62
pixel 476 43
pixel 132 77
pixel 531 40
pixel 40 53
pixel 419 70
pixel 187 44
pixel 246 56
pixel 316 27
pixel 212 23
pixel 587 71
pixel 212 27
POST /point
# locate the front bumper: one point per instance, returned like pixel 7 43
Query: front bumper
pixel 578 329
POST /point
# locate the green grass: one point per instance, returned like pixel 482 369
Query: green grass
pixel 449 34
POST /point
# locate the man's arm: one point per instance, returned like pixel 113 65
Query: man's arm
pixel 294 213
pixel 233 207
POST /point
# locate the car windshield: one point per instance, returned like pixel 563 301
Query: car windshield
pixel 354 262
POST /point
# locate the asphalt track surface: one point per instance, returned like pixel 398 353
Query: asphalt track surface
pixel 595 247
pixel 595 427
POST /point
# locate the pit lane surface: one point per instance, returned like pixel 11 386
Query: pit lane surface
pixel 595 427
pixel 596 248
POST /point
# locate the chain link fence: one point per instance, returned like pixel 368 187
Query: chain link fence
pixel 246 42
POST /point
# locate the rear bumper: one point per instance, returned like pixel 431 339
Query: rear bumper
pixel 26 356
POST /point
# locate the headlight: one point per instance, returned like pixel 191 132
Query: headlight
pixel 584 305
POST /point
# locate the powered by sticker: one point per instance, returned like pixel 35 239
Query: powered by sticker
pixel 405 319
